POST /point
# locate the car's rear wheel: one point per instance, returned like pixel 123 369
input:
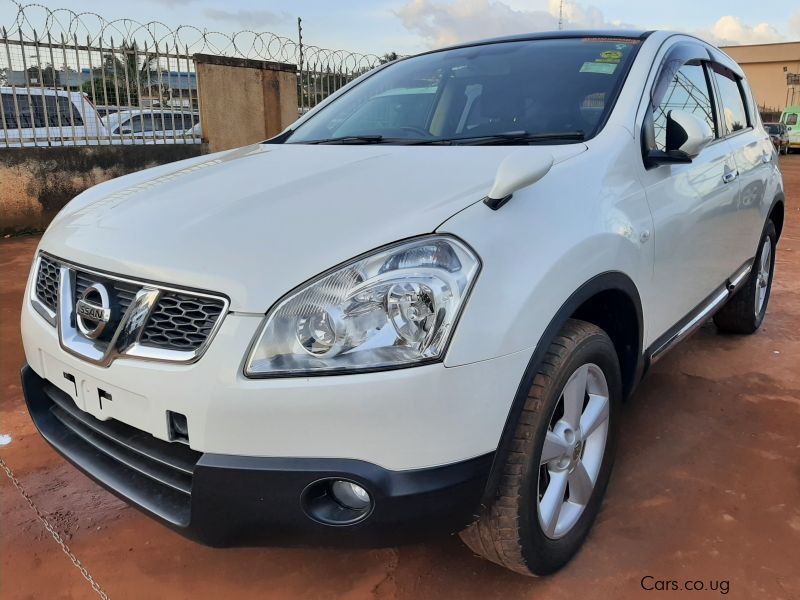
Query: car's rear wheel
pixel 745 311
pixel 556 468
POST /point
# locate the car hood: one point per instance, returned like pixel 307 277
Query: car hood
pixel 255 222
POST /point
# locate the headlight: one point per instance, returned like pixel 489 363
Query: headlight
pixel 394 307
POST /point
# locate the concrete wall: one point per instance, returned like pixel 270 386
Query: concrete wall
pixel 244 101
pixel 764 66
pixel 36 182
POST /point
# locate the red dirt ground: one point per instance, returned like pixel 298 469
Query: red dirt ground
pixel 706 487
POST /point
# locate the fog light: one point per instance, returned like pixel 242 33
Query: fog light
pixel 350 495
pixel 337 502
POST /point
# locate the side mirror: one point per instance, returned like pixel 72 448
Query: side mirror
pixel 686 136
pixel 518 170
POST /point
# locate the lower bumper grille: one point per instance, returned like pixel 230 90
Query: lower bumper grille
pixel 154 474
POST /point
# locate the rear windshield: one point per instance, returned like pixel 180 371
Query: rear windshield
pixel 538 87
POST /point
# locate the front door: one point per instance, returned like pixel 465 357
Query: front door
pixel 693 205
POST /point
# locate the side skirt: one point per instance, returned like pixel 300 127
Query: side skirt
pixel 704 311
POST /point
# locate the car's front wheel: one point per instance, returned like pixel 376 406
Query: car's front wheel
pixel 557 465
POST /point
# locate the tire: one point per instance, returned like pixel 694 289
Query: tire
pixel 745 311
pixel 510 530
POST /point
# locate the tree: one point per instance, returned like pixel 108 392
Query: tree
pixel 388 57
pixel 118 80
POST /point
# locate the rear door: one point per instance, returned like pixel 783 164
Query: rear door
pixel 693 205
pixel 753 154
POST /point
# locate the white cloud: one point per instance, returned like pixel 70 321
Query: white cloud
pixel 441 23
pixel 444 22
pixel 730 30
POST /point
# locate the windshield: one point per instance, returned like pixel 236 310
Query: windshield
pixel 535 88
pixel 773 128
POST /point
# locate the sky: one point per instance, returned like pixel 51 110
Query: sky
pixel 409 26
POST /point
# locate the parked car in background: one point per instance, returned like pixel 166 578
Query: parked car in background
pixel 105 110
pixel 31 114
pixel 414 310
pixel 779 135
pixel 791 118
pixel 145 123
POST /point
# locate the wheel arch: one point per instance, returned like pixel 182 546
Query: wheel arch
pixel 609 300
pixel 776 213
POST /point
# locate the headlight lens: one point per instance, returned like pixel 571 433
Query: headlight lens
pixel 394 307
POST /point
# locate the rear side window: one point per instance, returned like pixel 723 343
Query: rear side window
pixel 688 91
pixel 733 112
pixel 34 112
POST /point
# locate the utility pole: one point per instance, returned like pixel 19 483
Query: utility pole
pixel 561 15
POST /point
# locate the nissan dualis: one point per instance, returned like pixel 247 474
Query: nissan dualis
pixel 420 308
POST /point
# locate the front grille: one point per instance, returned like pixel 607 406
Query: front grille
pixel 153 473
pixel 181 322
pixel 47 283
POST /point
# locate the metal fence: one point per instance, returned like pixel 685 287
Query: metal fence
pixel 70 78
pixel 67 91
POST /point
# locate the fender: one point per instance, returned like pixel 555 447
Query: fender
pixel 610 280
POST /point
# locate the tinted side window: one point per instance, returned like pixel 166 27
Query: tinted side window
pixel 734 114
pixel 688 92
pixel 9 112
pixel 70 114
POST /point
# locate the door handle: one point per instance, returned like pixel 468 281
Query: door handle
pixel 729 176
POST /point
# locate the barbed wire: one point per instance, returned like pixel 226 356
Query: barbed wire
pixel 35 21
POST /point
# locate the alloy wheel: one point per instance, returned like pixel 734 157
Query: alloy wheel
pixel 573 450
pixel 764 267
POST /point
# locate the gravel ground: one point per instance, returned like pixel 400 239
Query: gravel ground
pixel 706 489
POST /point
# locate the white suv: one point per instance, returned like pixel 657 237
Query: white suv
pixel 420 308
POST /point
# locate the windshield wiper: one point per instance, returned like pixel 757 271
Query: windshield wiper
pixel 350 139
pixel 519 137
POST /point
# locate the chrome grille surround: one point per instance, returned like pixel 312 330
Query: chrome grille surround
pixel 45 289
pixel 135 301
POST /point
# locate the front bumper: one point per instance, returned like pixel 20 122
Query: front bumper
pixel 226 500
pixel 401 420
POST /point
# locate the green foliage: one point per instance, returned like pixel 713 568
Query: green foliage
pixel 120 77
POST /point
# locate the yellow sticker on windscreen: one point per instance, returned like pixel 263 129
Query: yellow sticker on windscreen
pixel 610 56
pixel 599 67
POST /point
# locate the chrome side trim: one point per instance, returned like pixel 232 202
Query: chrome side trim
pixel 692 325
pixel 125 341
pixel 740 276
pixel 731 285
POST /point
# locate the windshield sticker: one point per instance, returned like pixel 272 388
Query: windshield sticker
pixel 599 67
pixel 610 56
